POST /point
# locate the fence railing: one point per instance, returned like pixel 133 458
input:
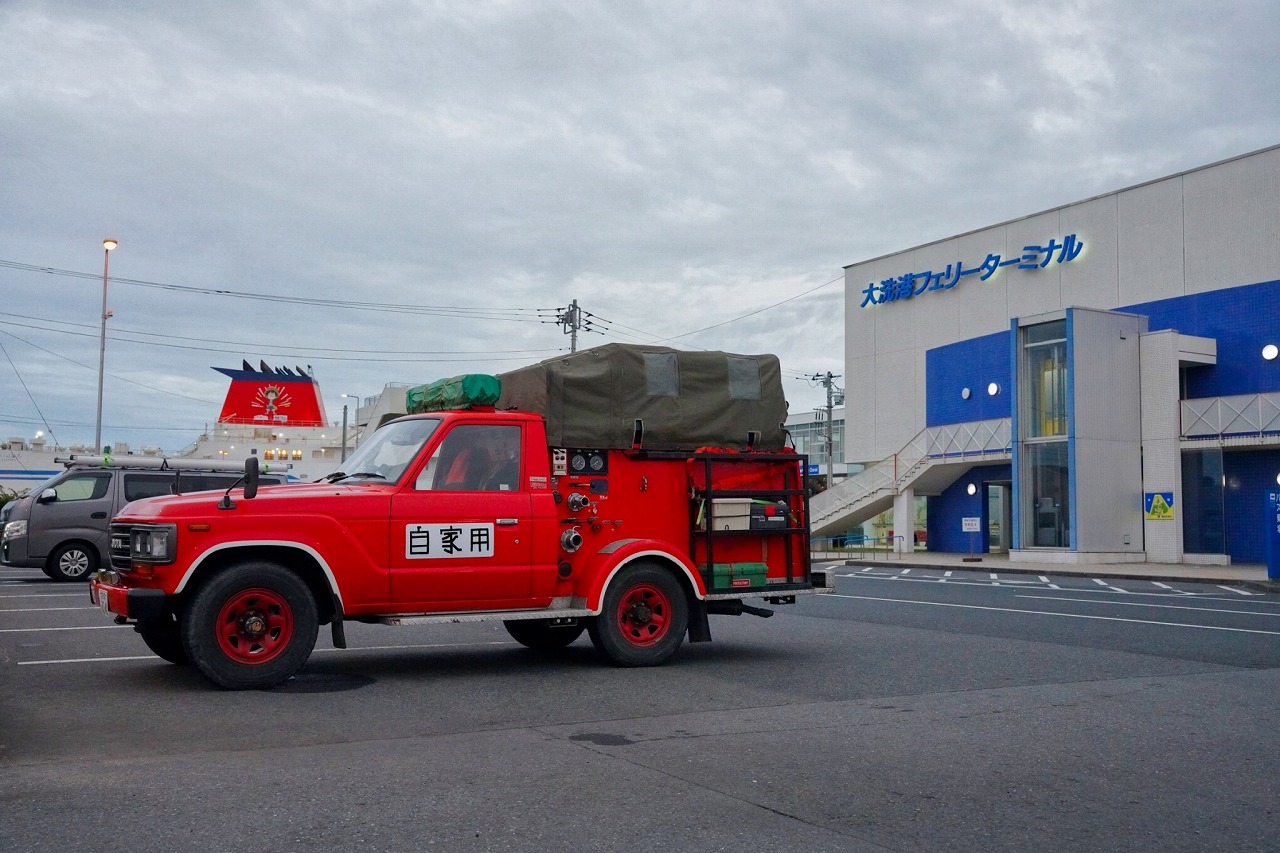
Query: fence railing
pixel 974 439
pixel 1243 414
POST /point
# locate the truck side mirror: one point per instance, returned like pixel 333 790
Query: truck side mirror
pixel 250 478
pixel 47 496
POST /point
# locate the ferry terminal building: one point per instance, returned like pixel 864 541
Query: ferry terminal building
pixel 1097 383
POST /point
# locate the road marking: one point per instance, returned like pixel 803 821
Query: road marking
pixel 81 628
pixel 314 651
pixel 83 595
pixel 48 609
pixel 1090 590
pixel 1237 591
pixel 1141 604
pixel 1051 613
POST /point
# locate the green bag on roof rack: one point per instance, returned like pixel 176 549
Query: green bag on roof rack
pixel 456 392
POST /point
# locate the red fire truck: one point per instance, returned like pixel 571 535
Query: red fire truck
pixel 514 505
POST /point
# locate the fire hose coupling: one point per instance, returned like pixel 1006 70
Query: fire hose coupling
pixel 578 502
pixel 571 540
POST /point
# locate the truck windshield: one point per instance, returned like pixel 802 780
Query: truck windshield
pixel 385 455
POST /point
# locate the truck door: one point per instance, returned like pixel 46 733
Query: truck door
pixel 461 536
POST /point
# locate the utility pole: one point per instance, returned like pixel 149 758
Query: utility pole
pixel 571 319
pixel 828 381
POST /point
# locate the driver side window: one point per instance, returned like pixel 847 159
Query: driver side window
pixel 477 458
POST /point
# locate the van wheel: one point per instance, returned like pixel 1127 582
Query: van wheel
pixel 251 627
pixel 541 634
pixel 73 561
pixel 643 617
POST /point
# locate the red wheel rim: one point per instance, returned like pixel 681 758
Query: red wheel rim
pixel 644 614
pixel 254 626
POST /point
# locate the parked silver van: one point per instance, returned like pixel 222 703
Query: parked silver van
pixel 61 527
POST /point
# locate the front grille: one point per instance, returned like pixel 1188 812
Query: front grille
pixel 118 546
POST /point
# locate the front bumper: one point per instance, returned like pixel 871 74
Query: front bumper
pixel 108 592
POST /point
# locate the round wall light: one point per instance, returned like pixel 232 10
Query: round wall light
pixel 1270 351
pixel 993 389
pixel 964 393
pixel 1277 479
pixel 973 490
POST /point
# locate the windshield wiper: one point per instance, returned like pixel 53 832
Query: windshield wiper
pixel 366 475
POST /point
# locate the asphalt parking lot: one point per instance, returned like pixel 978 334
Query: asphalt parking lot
pixel 900 713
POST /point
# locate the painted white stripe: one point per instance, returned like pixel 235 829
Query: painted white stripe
pixel 84 595
pixel 1064 615
pixel 316 651
pixel 946 574
pixel 905 572
pixel 46 609
pixel 1112 601
pixel 82 628
pixel 1237 591
pixel 1099 582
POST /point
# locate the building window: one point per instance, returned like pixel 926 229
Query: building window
pixel 1049 499
pixel 1045 366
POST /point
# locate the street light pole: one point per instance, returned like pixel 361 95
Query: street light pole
pixel 344 431
pixel 107 245
pixel 344 423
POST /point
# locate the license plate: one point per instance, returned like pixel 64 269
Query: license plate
pixel 102 600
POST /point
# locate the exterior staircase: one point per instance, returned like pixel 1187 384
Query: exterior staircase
pixel 934 459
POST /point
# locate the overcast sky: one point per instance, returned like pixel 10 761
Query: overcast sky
pixel 393 191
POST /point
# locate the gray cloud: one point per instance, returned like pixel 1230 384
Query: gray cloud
pixel 671 166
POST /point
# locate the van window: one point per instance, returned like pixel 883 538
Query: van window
pixel 84 487
pixel 139 486
pixel 207 482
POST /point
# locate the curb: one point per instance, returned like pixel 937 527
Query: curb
pixel 1263 586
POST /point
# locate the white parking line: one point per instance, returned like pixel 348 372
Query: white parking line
pixel 1051 613
pixel 46 609
pixel 81 628
pixel 1237 591
pixel 315 651
pixel 1113 602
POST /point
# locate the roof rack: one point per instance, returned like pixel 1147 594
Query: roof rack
pixel 155 463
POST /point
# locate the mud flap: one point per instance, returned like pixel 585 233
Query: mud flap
pixel 699 624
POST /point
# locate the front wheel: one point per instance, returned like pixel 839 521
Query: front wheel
pixel 541 634
pixel 166 643
pixel 251 626
pixel 643 618
pixel 74 561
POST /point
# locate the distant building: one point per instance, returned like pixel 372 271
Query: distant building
pixel 1094 383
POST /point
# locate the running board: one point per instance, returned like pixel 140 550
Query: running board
pixel 482 616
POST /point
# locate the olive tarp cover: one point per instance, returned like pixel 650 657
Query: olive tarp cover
pixel 593 398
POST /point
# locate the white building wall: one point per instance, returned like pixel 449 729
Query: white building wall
pixel 1161 456
pixel 1209 228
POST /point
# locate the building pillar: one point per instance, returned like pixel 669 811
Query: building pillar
pixel 1161 442
pixel 904 521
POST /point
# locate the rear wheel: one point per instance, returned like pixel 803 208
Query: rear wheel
pixel 643 618
pixel 541 634
pixel 251 626
pixel 73 561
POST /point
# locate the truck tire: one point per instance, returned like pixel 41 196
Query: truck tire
pixel 643 617
pixel 72 561
pixel 541 634
pixel 251 626
pixel 166 643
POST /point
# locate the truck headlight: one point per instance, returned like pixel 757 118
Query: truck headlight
pixel 14 529
pixel 153 544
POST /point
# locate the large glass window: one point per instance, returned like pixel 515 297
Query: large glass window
pixel 1045 365
pixel 1048 484
pixel 1203 500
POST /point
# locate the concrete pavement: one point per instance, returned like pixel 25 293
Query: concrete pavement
pixel 1248 575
